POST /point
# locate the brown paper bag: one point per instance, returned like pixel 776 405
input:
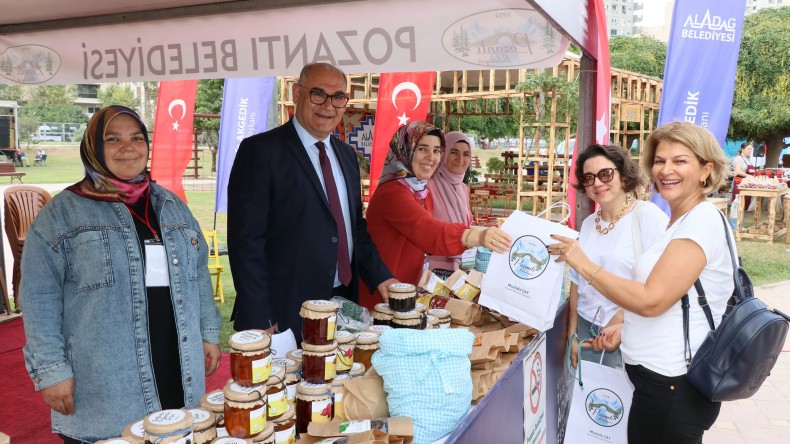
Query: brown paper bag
pixel 433 284
pixel 364 398
pixel 462 312
pixel 401 431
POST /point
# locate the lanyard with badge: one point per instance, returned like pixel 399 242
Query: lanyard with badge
pixel 156 274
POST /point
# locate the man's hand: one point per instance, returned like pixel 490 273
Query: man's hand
pixel 60 397
pixel 384 289
pixel 213 356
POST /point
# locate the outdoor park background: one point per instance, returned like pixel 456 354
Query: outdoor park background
pixel 765 263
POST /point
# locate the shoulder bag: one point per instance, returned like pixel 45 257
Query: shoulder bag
pixel 734 359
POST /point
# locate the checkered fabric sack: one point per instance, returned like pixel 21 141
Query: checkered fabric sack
pixel 427 377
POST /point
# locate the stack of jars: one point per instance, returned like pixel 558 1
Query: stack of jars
pixel 406 312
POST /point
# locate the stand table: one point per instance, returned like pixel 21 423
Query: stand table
pixel 757 231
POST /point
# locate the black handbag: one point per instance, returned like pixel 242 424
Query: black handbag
pixel 734 359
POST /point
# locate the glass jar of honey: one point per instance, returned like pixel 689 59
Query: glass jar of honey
pixel 245 409
pixel 285 427
pixel 295 355
pixel 169 427
pixel 357 370
pixel 135 432
pixel 403 296
pixel 378 329
pixel 203 422
pixel 367 344
pixel 382 314
pixel 266 436
pixel 215 402
pixel 318 321
pixel 409 319
pixel 276 398
pixel 318 362
pixel 442 315
pixel 313 404
pixel 345 351
pixel 292 377
pixel 250 357
pixel 337 396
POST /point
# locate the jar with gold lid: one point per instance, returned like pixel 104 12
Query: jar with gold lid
pixel 231 440
pixel 409 319
pixel 313 404
pixel 382 314
pixel 245 409
pixel 402 296
pixel 250 357
pixel 357 370
pixel 118 440
pixel 345 351
pixel 214 402
pixel 295 355
pixel 203 422
pixel 172 426
pixel 285 427
pixel 318 362
pixel 442 315
pixel 292 377
pixel 266 436
pixel 367 344
pixel 378 329
pixel 276 398
pixel 318 321
pixel 338 384
pixel 432 322
pixel 135 432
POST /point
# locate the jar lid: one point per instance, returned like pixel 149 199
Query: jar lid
pixel 230 440
pixel 357 369
pixel 167 421
pixel 119 440
pixel 214 401
pixel 202 419
pixel 402 287
pixel 367 337
pixel 419 306
pixel 287 415
pixel 320 305
pixel 134 430
pixel 266 436
pixel 406 315
pixel 250 340
pixel 383 308
pixel 295 355
pixel 313 349
pixel 289 365
pixel 339 381
pixel 238 393
pixel 277 376
pixel 308 388
pixel 439 313
pixel 378 328
pixel 344 337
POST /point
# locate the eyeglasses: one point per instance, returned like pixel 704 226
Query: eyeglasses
pixel 605 175
pixel 318 97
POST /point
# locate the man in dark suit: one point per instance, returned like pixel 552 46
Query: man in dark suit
pixel 285 240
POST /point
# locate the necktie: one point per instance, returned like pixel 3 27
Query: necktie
pixel 343 264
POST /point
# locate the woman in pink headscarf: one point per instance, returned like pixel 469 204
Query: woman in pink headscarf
pixel 450 194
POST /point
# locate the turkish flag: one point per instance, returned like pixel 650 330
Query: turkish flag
pixel 603 85
pixel 403 97
pixel 171 149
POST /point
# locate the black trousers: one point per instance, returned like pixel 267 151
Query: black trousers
pixel 667 409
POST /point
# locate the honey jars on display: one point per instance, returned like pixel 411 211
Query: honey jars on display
pixel 135 432
pixel 318 321
pixel 285 427
pixel 409 319
pixel 318 362
pixel 382 314
pixel 292 377
pixel 215 402
pixel 203 426
pixel 442 315
pixel 276 398
pixel 313 404
pixel 356 370
pixel 367 344
pixel 337 396
pixel 245 409
pixel 295 355
pixel 266 436
pixel 250 357
pixel 169 427
pixel 345 351
pixel 402 296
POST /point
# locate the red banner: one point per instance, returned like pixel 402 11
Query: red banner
pixel 171 149
pixel 403 97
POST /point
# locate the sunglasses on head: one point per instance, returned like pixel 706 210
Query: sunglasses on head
pixel 605 175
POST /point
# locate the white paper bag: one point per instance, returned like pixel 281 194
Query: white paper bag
pixel 526 283
pixel 599 409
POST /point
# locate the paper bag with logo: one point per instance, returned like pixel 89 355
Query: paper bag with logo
pixel 364 398
pixel 525 283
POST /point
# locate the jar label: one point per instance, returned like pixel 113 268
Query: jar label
pixel 257 420
pixel 284 362
pixel 217 397
pixel 401 285
pixel 444 325
pixel 222 432
pixel 198 415
pixel 345 359
pixel 330 367
pixel 340 412
pixel 261 369
pixel 330 327
pixel 278 402
pixel 138 429
pixel 246 337
pixel 350 427
pixel 321 302
pixel 167 417
pixel 285 436
pixel 290 391
pixel 321 411
pixel 296 353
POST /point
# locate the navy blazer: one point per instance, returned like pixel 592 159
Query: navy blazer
pixel 282 239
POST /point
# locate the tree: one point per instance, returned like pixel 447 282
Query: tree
pixel 761 103
pixel 50 103
pixel 114 94
pixel 644 55
pixel 10 92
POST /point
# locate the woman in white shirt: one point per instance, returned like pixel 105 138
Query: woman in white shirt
pixel 686 164
pixel 613 236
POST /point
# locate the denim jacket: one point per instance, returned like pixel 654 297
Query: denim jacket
pixel 85 312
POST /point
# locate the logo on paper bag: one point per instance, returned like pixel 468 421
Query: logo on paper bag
pixel 604 407
pixel 529 257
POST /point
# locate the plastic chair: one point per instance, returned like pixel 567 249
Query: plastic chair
pixel 22 205
pixel 41 161
pixel 214 267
